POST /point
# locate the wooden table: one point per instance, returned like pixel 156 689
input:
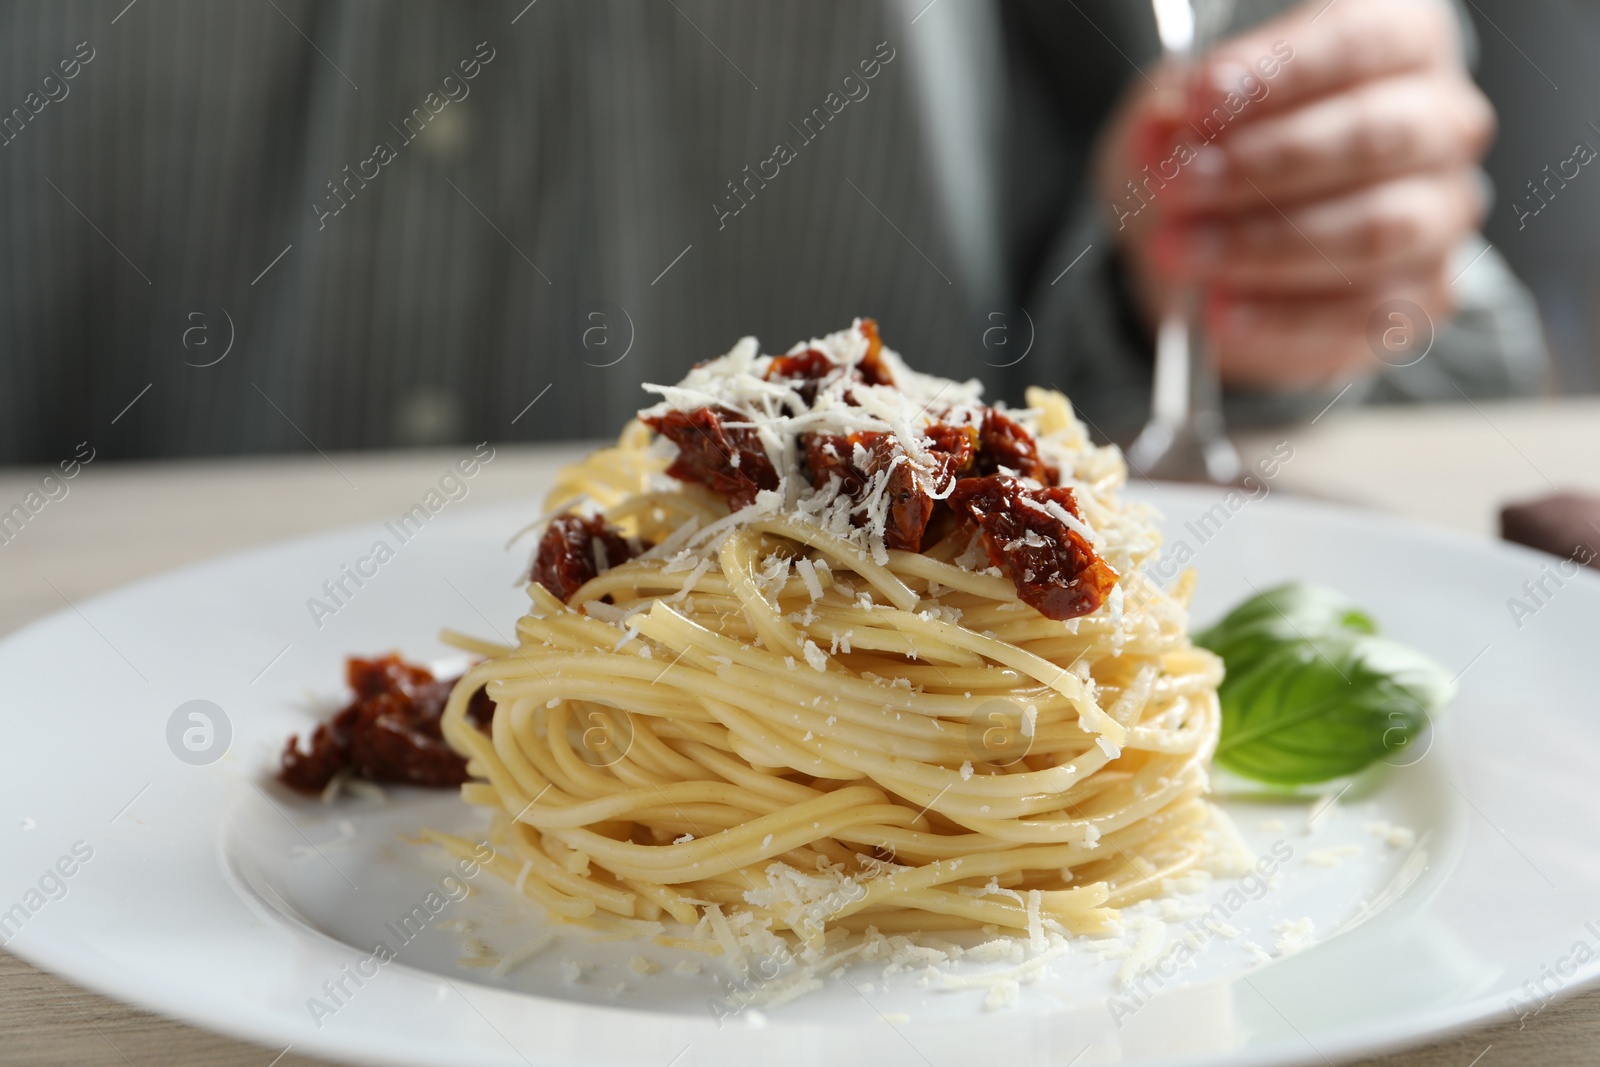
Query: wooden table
pixel 1449 465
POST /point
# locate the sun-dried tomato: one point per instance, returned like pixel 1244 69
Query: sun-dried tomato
pixel 802 366
pixel 575 549
pixel 1053 567
pixel 872 370
pixel 828 454
pixel 910 492
pixel 388 733
pixel 803 371
pixel 729 459
pixel 1004 443
pixel 807 368
pixel 911 486
pixel 961 442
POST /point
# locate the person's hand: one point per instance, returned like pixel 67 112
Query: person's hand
pixel 1316 167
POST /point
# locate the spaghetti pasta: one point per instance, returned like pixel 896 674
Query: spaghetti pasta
pixel 767 721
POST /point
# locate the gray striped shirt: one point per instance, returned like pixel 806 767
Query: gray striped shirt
pixel 274 224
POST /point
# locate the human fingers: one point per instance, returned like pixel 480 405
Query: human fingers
pixel 1303 343
pixel 1394 125
pixel 1364 237
pixel 1320 48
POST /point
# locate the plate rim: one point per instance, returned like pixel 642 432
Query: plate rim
pixel 61 953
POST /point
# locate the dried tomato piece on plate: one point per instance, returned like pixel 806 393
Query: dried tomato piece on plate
pixel 388 733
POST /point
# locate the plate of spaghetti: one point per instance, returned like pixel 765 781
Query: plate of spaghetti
pixel 830 715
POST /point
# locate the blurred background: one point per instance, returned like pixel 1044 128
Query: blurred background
pixel 1547 96
pixel 205 251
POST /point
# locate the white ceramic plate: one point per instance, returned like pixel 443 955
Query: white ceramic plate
pixel 201 890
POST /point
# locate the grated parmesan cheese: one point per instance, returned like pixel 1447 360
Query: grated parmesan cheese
pixel 808 574
pixel 1035 921
pixel 1332 857
pixel 1392 835
pixel 518 956
pixel 1325 806
pixel 1001 994
pixel 1294 936
pixel 1146 951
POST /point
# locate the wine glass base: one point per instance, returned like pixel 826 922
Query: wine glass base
pixel 1180 454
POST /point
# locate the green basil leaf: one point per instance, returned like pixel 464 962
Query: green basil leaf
pixel 1284 614
pixel 1312 693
